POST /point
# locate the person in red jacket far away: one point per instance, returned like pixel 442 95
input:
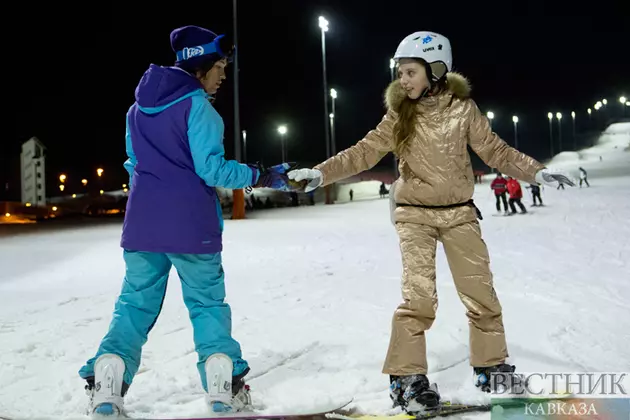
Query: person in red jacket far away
pixel 499 186
pixel 516 193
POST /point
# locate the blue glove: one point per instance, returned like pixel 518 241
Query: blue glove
pixel 276 177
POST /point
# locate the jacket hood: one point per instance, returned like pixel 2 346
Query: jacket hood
pixel 456 86
pixel 161 86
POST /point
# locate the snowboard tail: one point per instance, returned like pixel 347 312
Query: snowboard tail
pixel 447 408
pixel 442 410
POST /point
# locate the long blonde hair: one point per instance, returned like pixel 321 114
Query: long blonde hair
pixel 405 124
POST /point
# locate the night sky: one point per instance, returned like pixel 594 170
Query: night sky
pixel 71 72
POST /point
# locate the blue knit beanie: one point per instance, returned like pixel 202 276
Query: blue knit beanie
pixel 194 45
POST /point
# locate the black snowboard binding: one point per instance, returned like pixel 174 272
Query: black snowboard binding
pixel 413 393
pixel 498 378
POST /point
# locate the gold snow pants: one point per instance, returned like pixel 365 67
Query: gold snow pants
pixel 457 228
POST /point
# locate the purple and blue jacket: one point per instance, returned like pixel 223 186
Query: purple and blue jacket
pixel 174 144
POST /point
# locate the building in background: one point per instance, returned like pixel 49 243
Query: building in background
pixel 33 173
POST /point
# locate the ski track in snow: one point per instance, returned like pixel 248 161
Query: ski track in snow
pixel 312 291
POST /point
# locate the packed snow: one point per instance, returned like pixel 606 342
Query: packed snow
pixel 313 290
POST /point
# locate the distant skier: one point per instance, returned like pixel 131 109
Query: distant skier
pixel 499 186
pixel 584 177
pixel 535 189
pixel 174 140
pixel 430 122
pixel 516 194
pixel 382 191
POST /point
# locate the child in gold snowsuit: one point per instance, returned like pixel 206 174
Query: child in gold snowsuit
pixel 429 123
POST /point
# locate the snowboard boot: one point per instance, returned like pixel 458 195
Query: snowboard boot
pixel 106 388
pixel 241 398
pixel 226 393
pixel 498 378
pixel 413 393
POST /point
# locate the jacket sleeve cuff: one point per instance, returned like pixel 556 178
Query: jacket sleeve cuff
pixel 255 175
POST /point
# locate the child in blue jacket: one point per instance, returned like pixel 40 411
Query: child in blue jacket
pixel 174 143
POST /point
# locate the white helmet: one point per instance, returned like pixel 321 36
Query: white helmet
pixel 429 46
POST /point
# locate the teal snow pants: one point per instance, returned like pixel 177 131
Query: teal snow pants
pixel 140 302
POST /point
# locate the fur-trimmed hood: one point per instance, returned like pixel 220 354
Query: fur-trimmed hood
pixel 457 86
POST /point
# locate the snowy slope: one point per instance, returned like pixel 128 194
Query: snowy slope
pixel 313 290
pixel 613 146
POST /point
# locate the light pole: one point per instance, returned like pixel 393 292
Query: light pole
pixel 323 24
pixel 598 105
pixel 573 122
pixel 238 195
pixel 333 114
pixel 245 146
pixel 623 101
pixel 99 172
pixel 62 180
pixel 392 68
pixel 392 71
pixel 559 117
pixel 237 117
pixel 490 116
pixel 283 131
pixel 331 117
pixel 515 121
pixel 550 116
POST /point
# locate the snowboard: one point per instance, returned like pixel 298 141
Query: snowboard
pixel 447 408
pixel 315 414
pixel 443 410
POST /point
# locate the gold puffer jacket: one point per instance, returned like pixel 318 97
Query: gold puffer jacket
pixel 435 169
